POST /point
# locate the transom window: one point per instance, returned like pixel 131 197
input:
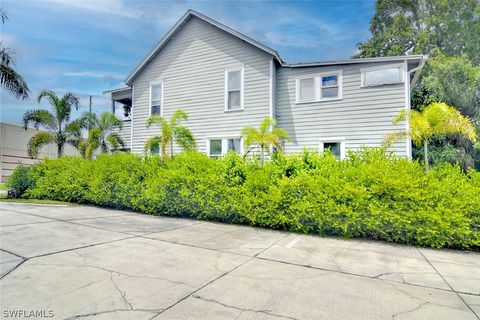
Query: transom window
pixel 325 86
pixel 378 76
pixel 156 98
pixel 220 146
pixel 234 89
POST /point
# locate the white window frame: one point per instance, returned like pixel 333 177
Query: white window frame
pixel 318 86
pixel 242 87
pixel 341 140
pixel 379 68
pixel 224 144
pixel 155 83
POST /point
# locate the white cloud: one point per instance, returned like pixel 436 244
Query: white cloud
pixel 95 74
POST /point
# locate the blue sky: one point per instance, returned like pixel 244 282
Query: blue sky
pixel 87 47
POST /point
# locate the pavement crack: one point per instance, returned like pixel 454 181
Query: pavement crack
pixel 265 311
pixel 123 294
pixel 409 311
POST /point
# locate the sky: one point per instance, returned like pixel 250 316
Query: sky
pixel 89 46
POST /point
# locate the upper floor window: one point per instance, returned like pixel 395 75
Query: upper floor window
pixel 156 98
pixel 378 76
pixel 234 89
pixel 321 87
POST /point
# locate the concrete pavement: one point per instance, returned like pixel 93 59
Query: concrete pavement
pixel 85 262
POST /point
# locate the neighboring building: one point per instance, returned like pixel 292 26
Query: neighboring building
pixel 226 81
pixel 13 149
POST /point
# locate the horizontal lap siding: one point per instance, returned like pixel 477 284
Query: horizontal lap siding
pixel 192 66
pixel 363 117
pixel 124 132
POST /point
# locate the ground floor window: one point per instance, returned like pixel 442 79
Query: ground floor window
pixel 336 147
pixel 217 147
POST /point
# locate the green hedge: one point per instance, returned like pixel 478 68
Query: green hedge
pixel 370 195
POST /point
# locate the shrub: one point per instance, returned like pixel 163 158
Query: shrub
pixel 369 195
pixel 21 180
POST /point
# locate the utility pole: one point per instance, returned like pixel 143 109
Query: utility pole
pixel 89 110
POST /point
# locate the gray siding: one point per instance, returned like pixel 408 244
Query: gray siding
pixel 192 66
pixel 363 117
pixel 125 132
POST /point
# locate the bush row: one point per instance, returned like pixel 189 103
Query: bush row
pixel 369 195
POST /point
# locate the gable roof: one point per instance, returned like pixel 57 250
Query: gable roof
pixel 192 13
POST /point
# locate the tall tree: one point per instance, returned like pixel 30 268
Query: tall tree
pixel 57 123
pixel 448 31
pixel 265 137
pixel 102 134
pixel 9 78
pixel 436 119
pixel 401 27
pixel 171 131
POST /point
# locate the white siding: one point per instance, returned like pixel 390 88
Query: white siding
pixel 192 66
pixel 363 117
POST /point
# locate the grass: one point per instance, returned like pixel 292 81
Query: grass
pixel 3 198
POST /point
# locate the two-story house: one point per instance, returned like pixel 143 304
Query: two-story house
pixel 227 81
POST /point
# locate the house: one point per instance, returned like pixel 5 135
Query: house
pixel 226 81
pixel 13 149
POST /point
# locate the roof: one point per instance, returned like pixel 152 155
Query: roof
pixel 415 58
pixel 191 13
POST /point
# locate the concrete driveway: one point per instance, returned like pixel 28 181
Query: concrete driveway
pixel 86 262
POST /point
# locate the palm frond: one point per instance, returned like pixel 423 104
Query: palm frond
pixel 116 142
pixel 40 118
pixel 109 121
pixel 184 137
pixel 393 137
pixel 71 100
pixel 50 95
pixel 156 119
pixel 266 125
pixel 3 15
pixel 177 116
pixel 37 142
pixel 9 78
pixel 152 142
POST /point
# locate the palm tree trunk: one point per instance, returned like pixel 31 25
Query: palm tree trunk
pixel 59 150
pixel 263 154
pixel 425 154
pixel 171 149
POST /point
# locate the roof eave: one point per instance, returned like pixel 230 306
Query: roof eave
pixel 353 61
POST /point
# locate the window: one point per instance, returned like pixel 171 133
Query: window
pixel 335 145
pixel 215 148
pixel 321 87
pixel 234 89
pixel 155 149
pixel 233 145
pixel 329 87
pixel 382 75
pixel 218 147
pixel 307 89
pixel 156 98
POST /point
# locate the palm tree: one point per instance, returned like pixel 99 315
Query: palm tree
pixel 59 129
pixel 436 119
pixel 171 131
pixel 266 136
pixel 9 78
pixel 101 134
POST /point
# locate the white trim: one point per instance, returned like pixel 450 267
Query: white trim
pixel 317 85
pixel 131 118
pixel 408 141
pixel 224 139
pixel 401 66
pixel 151 84
pixel 270 110
pixel 340 140
pixel 242 87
